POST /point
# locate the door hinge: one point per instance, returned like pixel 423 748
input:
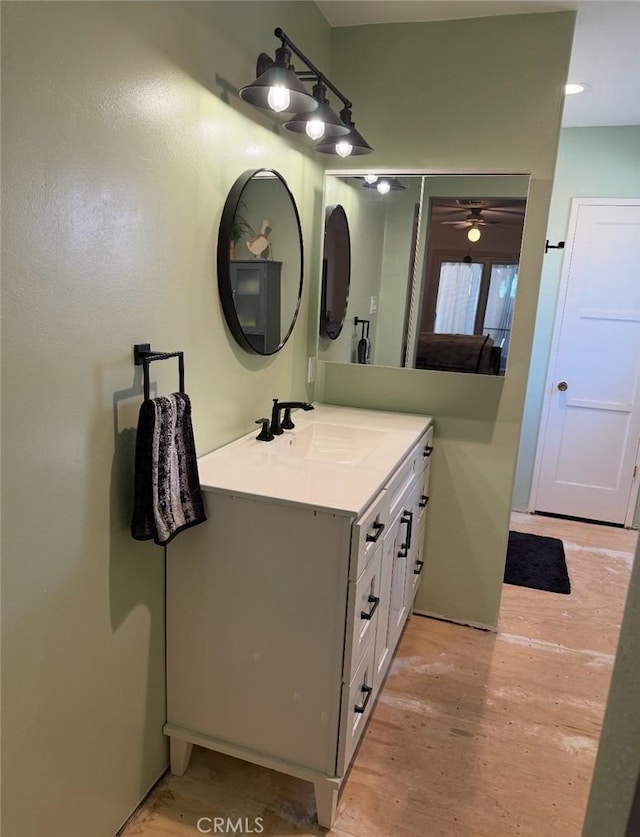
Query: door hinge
pixel 635 471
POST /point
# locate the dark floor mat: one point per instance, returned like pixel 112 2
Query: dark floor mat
pixel 538 562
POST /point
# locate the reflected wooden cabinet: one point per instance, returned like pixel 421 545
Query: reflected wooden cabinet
pixel 255 286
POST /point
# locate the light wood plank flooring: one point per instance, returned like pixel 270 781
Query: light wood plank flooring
pixel 474 733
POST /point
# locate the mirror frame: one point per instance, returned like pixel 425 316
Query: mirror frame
pixel 334 331
pixel 224 273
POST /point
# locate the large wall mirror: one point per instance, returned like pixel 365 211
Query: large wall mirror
pixel 260 261
pixel 434 269
pixel 336 272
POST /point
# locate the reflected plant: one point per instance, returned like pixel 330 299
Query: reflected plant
pixel 240 227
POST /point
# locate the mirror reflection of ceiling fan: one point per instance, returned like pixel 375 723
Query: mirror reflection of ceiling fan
pixel 476 217
pixel 473 213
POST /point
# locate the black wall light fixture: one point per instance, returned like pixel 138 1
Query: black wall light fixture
pixel 384 184
pixel 279 88
pixel 322 122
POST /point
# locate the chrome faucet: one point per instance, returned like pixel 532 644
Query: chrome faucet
pixel 278 427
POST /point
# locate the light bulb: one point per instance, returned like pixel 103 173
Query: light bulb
pixel 314 128
pixel 370 178
pixel 573 87
pixel 473 234
pixel 383 187
pixel 343 148
pixel 278 98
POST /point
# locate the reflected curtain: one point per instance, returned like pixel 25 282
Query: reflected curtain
pixel 458 291
pixel 500 303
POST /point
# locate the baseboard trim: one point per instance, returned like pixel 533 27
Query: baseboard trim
pixel 467 624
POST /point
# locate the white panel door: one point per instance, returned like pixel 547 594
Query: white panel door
pixel 589 439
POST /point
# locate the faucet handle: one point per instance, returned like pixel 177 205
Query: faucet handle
pixel 265 435
pixel 275 429
pixel 287 423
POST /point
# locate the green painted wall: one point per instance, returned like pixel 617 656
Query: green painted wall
pixel 396 265
pixel 411 86
pixel 121 136
pixel 617 768
pixel 592 163
pixel 366 260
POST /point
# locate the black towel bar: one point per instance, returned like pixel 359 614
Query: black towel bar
pixel 143 356
pixel 365 327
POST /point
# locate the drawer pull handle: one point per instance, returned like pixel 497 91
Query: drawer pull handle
pixel 407 517
pixel 423 501
pixel 366 691
pixel 428 450
pixel 375 601
pixel 379 529
pixel 419 565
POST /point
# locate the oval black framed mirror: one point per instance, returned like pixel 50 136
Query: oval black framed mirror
pixel 336 272
pixel 260 261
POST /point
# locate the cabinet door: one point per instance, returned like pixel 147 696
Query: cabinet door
pixel 247 286
pixel 417 506
pixel 423 499
pixel 383 650
pixel 398 605
pixel 415 576
pixel 256 295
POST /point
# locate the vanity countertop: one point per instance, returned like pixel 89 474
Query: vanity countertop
pixel 336 459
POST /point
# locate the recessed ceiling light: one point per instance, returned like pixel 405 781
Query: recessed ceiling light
pixel 574 87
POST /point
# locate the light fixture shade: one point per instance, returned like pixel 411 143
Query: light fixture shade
pixel 354 138
pixel 279 89
pixel 473 234
pixel 279 75
pixel 333 126
pixel 395 185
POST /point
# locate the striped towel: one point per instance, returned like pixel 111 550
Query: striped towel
pixel 167 496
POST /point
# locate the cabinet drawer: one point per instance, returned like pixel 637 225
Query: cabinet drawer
pixel 417 569
pixel 401 485
pixel 423 498
pixel 367 533
pixel 425 450
pixel 362 614
pixel 357 700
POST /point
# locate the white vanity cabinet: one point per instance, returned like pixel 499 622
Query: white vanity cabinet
pixel 285 607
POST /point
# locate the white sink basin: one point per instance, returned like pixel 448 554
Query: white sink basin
pixel 336 458
pixel 332 443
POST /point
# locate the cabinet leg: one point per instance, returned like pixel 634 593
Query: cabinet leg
pixel 180 753
pixel 326 800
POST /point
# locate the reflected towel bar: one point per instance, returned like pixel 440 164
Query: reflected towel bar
pixel 143 356
pixel 365 332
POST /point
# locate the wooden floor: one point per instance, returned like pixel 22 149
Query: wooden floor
pixel 474 733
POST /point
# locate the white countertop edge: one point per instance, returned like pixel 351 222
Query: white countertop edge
pixel 262 498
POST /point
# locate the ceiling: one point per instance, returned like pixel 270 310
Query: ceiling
pixel 605 55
